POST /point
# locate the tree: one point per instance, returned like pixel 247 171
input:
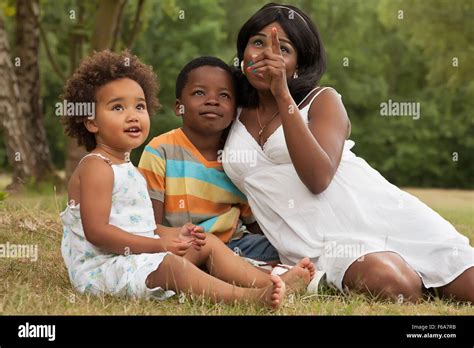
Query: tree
pixel 22 117
pixel 13 125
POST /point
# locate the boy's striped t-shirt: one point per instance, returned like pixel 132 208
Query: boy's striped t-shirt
pixel 192 188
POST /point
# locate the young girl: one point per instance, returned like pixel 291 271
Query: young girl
pixel 111 244
pixel 310 194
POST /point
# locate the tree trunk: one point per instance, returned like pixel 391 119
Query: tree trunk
pixel 15 127
pixel 107 20
pixel 27 49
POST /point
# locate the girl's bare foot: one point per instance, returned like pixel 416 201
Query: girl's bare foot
pixel 299 276
pixel 274 294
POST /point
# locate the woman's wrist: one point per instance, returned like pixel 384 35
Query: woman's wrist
pixel 284 102
pixel 283 93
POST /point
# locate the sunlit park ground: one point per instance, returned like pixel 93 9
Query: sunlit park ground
pixel 42 287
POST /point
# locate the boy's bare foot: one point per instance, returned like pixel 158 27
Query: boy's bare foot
pixel 306 263
pixel 299 276
pixel 274 294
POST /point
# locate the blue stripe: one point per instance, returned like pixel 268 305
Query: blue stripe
pixel 207 225
pixel 153 151
pixel 187 169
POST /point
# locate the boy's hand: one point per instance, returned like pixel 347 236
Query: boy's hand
pixel 195 234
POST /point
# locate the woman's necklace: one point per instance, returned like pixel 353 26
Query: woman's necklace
pixel 262 128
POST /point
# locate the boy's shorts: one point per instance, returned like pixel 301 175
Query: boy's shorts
pixel 254 246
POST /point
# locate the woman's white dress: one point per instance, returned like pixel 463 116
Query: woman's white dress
pixel 359 213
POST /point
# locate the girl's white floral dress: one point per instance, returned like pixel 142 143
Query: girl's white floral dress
pixel 95 271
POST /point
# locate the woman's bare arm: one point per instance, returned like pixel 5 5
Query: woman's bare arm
pixel 315 149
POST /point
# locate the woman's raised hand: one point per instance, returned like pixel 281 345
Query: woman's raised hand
pixel 270 66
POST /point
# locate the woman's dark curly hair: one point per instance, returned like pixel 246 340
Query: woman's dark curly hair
pixel 304 35
pixel 97 70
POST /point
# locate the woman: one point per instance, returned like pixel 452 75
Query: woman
pixel 310 194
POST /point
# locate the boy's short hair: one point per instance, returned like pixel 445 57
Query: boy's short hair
pixel 97 70
pixel 182 78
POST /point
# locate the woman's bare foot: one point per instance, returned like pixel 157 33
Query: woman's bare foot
pixel 299 276
pixel 274 294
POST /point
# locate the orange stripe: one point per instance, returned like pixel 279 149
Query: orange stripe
pixel 194 205
pixel 245 210
pixel 154 181
pixel 184 142
pixel 175 138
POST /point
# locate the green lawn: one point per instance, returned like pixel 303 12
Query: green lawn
pixel 43 287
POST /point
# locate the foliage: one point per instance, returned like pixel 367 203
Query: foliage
pixel 408 59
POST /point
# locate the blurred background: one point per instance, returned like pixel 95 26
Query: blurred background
pixel 378 50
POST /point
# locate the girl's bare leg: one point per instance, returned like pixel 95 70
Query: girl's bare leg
pixel 178 274
pixel 222 263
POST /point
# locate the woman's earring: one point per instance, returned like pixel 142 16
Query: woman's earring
pixel 295 75
pixel 242 67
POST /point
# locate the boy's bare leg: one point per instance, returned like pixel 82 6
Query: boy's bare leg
pixel 222 263
pixel 178 274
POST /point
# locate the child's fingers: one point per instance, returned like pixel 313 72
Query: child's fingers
pixel 188 227
pixel 198 229
pixel 187 244
pixel 199 242
pixel 199 235
pixel 183 244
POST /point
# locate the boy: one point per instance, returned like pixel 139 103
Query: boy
pixel 185 179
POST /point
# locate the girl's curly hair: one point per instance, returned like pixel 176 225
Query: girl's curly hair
pixel 97 70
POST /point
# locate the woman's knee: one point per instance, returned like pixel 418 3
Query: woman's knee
pixel 386 275
pixel 399 283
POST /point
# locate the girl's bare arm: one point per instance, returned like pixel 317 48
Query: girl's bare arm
pixel 96 183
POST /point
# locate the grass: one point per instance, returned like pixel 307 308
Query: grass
pixel 43 288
